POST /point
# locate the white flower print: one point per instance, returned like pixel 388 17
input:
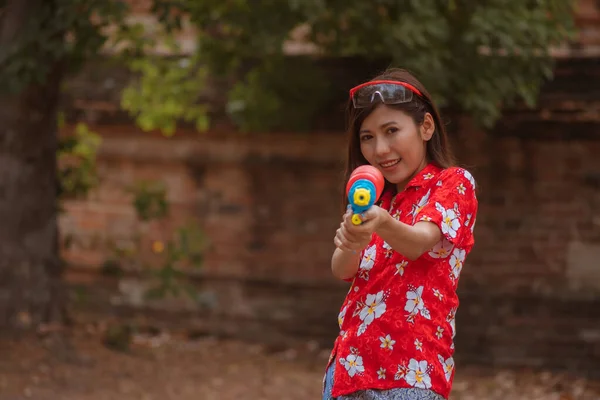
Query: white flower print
pixel 440 332
pixel 438 294
pixel 418 374
pixel 450 222
pixel 396 215
pixel 451 320
pixel 353 364
pixel 468 221
pixel 426 218
pixel 387 342
pixel 428 176
pixel 414 304
pixel 418 345
pixel 447 365
pixel 416 208
pixel 456 262
pixel 341 316
pixel 461 189
pixel 469 177
pixel 367 262
pixel 442 249
pixel 388 251
pixel 401 373
pixel 374 307
pixel 381 373
pixel 400 267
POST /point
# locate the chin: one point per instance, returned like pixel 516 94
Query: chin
pixel 396 177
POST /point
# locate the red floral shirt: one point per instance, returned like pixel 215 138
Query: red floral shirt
pixel 397 321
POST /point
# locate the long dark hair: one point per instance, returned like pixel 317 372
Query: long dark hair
pixel 438 149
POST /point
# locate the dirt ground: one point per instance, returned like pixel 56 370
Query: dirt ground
pixel 165 367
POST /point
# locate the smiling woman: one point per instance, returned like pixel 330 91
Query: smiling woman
pixel 397 324
pixel 374 119
pixel 393 142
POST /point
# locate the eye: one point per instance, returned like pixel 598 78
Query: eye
pixel 392 129
pixel 365 137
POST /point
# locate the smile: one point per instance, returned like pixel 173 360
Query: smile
pixel 391 163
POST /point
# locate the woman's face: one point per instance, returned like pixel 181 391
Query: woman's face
pixel 392 142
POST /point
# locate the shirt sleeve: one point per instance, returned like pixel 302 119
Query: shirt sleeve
pixel 452 205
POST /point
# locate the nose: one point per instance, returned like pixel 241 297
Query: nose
pixel 382 147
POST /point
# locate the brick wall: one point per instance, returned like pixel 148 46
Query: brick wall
pixel 530 291
pixel 269 203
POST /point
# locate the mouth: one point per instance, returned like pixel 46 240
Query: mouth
pixel 389 163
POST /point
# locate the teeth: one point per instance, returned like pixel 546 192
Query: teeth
pixel 389 164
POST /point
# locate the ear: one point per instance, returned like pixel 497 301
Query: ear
pixel 427 127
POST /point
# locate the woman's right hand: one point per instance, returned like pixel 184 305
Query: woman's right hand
pixel 347 240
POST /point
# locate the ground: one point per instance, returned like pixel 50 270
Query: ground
pixel 167 366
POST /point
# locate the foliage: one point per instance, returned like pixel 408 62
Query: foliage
pixel 479 56
pixel 150 200
pixel 76 156
pixel 172 258
pixel 67 31
pixel 187 248
pixel 166 91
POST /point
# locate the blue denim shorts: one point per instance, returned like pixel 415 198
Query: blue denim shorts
pixel 372 394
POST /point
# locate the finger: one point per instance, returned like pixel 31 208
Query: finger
pixel 349 232
pixel 342 246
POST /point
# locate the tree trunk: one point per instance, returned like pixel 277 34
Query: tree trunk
pixel 31 290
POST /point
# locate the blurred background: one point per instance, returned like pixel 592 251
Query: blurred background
pixel 171 179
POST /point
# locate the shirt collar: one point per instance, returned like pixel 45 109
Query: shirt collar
pixel 424 176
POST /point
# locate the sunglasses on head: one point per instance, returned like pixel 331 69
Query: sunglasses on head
pixel 387 92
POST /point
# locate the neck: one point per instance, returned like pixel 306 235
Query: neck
pixel 401 185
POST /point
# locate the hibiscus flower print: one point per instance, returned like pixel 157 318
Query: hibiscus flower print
pixel 451 320
pixel 400 267
pixel 438 294
pixel 447 365
pixel 461 189
pixel 387 342
pixel 341 316
pixel 418 345
pixel 468 221
pixel 381 373
pixel 387 249
pixel 401 373
pixel 373 307
pixel 418 374
pixel 442 249
pixel 367 262
pixel 450 222
pixel 415 305
pixel 428 176
pixel 416 208
pixel 469 177
pixel 456 263
pixel 353 364
pixel 440 332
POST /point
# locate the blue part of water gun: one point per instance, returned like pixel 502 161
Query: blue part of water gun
pixel 361 184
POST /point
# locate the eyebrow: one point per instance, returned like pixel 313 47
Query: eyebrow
pixel 382 126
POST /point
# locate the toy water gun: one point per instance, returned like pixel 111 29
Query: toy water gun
pixel 363 189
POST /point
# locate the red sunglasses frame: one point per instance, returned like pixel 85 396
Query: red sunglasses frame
pixel 404 84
